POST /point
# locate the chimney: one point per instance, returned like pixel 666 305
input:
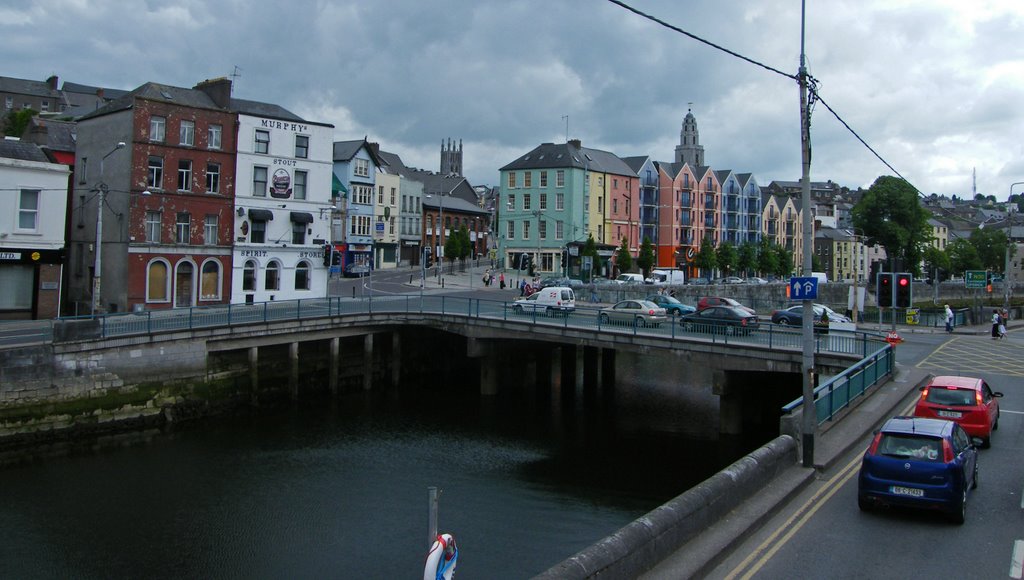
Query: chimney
pixel 375 147
pixel 37 131
pixel 576 143
pixel 52 82
pixel 218 89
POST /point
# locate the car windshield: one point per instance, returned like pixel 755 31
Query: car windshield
pixel 910 446
pixel 946 396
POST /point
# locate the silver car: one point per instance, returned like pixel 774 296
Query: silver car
pixel 633 312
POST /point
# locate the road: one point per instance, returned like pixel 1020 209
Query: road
pixel 822 533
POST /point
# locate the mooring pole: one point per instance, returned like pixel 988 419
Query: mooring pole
pixel 432 521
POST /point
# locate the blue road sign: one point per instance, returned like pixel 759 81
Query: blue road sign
pixel 803 288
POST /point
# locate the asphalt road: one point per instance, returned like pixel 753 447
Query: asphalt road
pixel 822 533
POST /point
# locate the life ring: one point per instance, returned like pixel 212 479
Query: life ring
pixel 441 559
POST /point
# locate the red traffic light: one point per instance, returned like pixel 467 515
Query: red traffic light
pixel 904 281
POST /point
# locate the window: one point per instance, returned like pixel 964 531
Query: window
pixel 542 229
pixel 511 201
pixel 212 178
pixel 182 227
pixel 210 230
pixel 543 178
pixel 157 129
pixel 156 172
pixel 84 171
pixel 615 206
pixel 302 276
pixel 45 105
pixel 526 229
pixel 185 175
pixel 262 142
pixel 527 179
pixel 28 210
pixel 559 230
pixel 258 232
pixel 526 201
pixel 213 135
pixel 559 201
pixel 259 181
pixel 299 186
pixel 391 225
pixel 362 168
pixel 298 233
pixel 153 219
pixel 187 133
pixel 209 280
pixel 560 178
pixel 249 276
pixel 9 103
pixel 543 201
pixel 157 282
pixel 511 233
pixel 511 179
pixel 273 281
pixel 360 225
pixel 362 194
pixel 380 195
pixel 301 146
pixel 393 194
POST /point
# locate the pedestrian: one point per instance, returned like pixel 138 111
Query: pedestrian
pixel 522 286
pixel 1003 320
pixel 501 280
pixel 995 324
pixel 527 290
pixel 949 319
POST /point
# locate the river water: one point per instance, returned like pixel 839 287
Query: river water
pixel 338 488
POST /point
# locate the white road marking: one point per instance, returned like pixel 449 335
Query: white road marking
pixel 1017 564
pixel 1011 412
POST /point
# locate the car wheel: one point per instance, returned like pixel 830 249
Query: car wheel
pixel 974 480
pixel 603 319
pixel 996 424
pixel 730 330
pixel 639 321
pixel 688 326
pixel 863 503
pixel 548 311
pixel 959 514
pixel 517 309
pixel 986 442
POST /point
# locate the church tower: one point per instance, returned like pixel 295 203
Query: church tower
pixel 451 159
pixel 689 149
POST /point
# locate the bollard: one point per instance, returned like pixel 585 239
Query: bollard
pixel 353 291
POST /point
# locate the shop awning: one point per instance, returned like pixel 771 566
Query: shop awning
pixel 301 217
pixel 263 215
pixel 337 187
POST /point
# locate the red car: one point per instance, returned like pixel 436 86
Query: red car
pixel 964 400
pixel 709 301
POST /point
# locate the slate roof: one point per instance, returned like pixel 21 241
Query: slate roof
pixel 60 135
pixel 395 166
pixel 109 94
pixel 562 155
pixel 269 110
pixel 635 162
pixel 671 169
pixel 346 150
pixel 157 92
pixel 27 87
pixel 23 150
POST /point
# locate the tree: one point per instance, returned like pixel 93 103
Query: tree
pixel 963 256
pixel 706 258
pixel 726 257
pixel 816 263
pixel 991 247
pixel 646 259
pixel 767 258
pixel 457 246
pixel 784 258
pixel 590 249
pixel 748 258
pixel 891 215
pixel 936 263
pixel 623 259
pixel 17 121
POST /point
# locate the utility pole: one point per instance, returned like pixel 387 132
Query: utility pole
pixel 810 419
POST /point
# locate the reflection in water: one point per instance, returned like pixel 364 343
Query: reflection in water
pixel 338 488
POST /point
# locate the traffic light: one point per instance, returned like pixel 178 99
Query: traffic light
pixel 564 253
pixel 883 290
pixel 904 290
pixel 988 281
pixel 327 255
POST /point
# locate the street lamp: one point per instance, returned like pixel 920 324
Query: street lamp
pixel 439 235
pixel 101 190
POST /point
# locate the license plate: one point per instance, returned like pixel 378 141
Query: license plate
pixel 910 491
pixel 950 414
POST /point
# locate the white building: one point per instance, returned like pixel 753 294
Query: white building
pixel 282 203
pixel 33 203
pixel 385 237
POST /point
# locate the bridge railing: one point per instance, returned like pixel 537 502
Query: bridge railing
pixel 839 391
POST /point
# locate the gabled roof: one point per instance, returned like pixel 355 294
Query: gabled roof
pixel 346 150
pixel 23 150
pixel 157 92
pixel 395 166
pixel 636 162
pixel 27 87
pixel 78 88
pixel 258 109
pixel 671 169
pixel 568 155
pixel 60 135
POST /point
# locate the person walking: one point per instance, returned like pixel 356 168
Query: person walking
pixel 995 324
pixel 1004 319
pixel 501 280
pixel 949 319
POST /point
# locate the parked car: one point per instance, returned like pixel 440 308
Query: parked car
pixel 630 279
pixel 921 463
pixel 357 270
pixel 964 400
pixel 721 318
pixel 731 280
pixel 638 312
pixel 794 315
pixel 666 276
pixel 709 301
pixel 671 305
pixel 756 280
pixel 698 282
pixel 551 300
pixel 553 281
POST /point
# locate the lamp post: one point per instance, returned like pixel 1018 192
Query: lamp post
pixel 439 235
pixel 98 263
pixel 1007 282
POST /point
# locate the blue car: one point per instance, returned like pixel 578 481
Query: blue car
pixel 920 463
pixel 671 305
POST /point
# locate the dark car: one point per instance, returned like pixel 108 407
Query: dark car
pixel 671 305
pixel 553 281
pixel 920 463
pixel 964 400
pixel 794 315
pixel 709 301
pixel 723 318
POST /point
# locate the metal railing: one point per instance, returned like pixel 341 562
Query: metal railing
pixel 836 393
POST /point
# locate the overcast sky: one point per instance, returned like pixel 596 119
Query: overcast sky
pixel 935 87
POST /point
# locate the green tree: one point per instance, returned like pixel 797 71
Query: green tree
pixel 991 247
pixel 963 256
pixel 748 258
pixel 890 214
pixel 706 259
pixel 784 259
pixel 767 258
pixel 17 121
pixel 623 259
pixel 457 246
pixel 936 261
pixel 590 249
pixel 726 256
pixel 646 259
pixel 816 265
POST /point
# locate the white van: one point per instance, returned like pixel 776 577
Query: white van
pixel 663 277
pixel 629 279
pixel 821 276
pixel 550 300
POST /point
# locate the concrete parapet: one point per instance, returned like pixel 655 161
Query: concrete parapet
pixel 645 542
